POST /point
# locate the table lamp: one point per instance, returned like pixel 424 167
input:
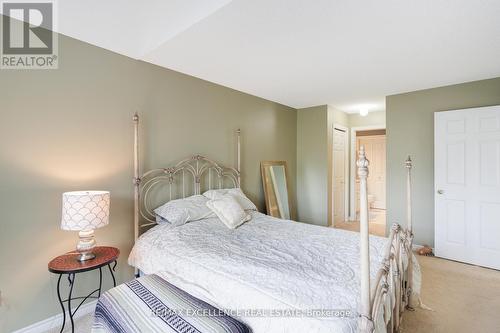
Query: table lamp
pixel 84 211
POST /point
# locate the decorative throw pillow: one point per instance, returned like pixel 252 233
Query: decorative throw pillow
pixel 229 211
pixel 181 211
pixel 242 199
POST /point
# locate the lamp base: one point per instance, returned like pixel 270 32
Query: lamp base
pixel 85 245
pixel 85 256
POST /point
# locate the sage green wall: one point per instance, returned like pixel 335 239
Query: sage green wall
pixel 312 165
pixel 71 129
pixel 410 130
pixel 371 119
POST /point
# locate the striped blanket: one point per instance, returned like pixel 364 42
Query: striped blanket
pixel 151 304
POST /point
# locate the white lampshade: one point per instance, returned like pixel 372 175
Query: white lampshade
pixel 85 210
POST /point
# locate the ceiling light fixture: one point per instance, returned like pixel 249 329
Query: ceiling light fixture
pixel 363 112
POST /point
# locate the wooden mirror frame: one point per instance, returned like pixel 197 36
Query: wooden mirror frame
pixel 263 166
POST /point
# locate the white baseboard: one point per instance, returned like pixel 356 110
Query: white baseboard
pixel 56 321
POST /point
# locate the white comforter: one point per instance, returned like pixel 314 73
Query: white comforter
pixel 265 264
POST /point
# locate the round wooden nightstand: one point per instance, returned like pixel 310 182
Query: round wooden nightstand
pixel 68 264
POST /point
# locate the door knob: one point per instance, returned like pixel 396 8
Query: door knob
pixel 440 191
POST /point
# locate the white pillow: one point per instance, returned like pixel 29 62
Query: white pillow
pixel 242 199
pixel 229 211
pixel 160 220
pixel 181 211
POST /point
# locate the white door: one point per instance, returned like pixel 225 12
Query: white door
pixel 375 148
pixel 467 185
pixel 339 168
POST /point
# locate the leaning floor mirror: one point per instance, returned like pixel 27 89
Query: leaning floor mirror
pixel 276 189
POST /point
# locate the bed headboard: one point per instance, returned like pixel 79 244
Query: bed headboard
pixel 192 175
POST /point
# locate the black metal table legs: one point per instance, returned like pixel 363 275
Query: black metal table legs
pixel 71 280
pixel 61 302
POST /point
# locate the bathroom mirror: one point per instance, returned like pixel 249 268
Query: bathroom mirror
pixel 276 189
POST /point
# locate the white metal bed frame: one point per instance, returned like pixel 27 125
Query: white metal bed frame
pixel 394 279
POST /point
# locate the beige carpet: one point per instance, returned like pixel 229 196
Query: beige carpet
pixel 83 324
pixel 464 298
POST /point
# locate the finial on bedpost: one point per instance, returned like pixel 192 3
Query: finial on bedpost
pixel 135 118
pixel 408 162
pixel 362 163
pixel 365 321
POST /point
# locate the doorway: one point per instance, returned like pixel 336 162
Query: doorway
pixel 374 140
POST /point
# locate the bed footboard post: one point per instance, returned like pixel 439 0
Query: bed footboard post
pixel 409 227
pixel 238 164
pixel 136 179
pixel 365 320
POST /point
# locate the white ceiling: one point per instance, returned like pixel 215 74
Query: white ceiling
pixel 345 53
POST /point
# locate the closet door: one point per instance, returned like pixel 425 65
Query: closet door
pixel 467 185
pixel 339 170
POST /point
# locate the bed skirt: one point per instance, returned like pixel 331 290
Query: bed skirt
pixel 151 304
